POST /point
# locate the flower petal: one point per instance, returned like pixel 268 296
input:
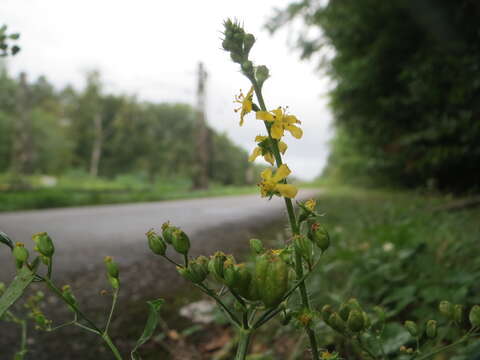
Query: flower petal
pixel 276 130
pixel 282 147
pixel 295 131
pixel 255 153
pixel 259 138
pixel 292 119
pixel 269 158
pixel 265 116
pixel 282 172
pixel 287 190
pixel 266 174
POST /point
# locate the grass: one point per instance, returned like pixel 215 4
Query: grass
pixel 81 190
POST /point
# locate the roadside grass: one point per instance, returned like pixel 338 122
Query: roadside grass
pixel 81 190
pixel 389 248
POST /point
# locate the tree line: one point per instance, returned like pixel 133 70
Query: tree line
pixel 44 130
pixel 406 99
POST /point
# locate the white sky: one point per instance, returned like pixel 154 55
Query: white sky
pixel 151 48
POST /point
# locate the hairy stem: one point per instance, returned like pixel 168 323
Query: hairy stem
pixel 243 342
pixel 293 224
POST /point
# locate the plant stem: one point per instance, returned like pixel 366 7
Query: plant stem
pixel 111 346
pixel 212 294
pixel 293 224
pixel 243 342
pixel 112 309
pixel 23 341
pixel 429 355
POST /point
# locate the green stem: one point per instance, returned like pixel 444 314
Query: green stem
pixel 23 341
pixel 293 225
pixel 112 347
pixel 435 352
pixel 112 309
pixel 50 267
pixel 211 293
pixel 243 342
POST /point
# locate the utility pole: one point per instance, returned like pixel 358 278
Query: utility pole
pixel 200 174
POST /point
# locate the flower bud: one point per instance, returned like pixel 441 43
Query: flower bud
pixel 327 311
pixel 230 273
pixel 68 296
pixel 459 314
pixel 474 316
pixel 248 41
pixel 180 241
pixel 114 282
pixel 156 243
pixel 411 328
pixel 336 322
pixel 257 246
pixel 244 278
pixel 112 267
pixel 355 321
pixel 167 232
pixel 431 329
pixel 215 264
pixel 198 269
pixel 366 320
pixel 44 244
pixel 247 67
pixel 304 247
pixel 261 74
pixel 227 44
pixel 344 311
pixel 446 309
pixel 20 254
pixel 319 236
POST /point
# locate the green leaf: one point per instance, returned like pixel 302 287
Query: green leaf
pixel 15 290
pixel 150 326
pixel 4 239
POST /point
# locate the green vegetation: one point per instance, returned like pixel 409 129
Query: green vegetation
pixel 405 101
pixel 78 189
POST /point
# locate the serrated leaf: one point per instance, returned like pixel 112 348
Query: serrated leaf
pixel 4 239
pixel 150 326
pixel 16 289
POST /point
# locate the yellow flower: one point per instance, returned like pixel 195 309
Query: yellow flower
pixel 310 204
pixel 245 102
pixel 264 149
pixel 281 122
pixel 326 355
pixel 271 185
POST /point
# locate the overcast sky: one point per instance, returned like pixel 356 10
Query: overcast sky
pixel 151 48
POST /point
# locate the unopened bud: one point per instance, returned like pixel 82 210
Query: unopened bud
pixel 248 42
pixel 446 309
pixel 44 244
pixel 459 314
pixel 431 329
pixel 261 74
pixel 215 264
pixel 167 232
pixel 319 236
pixel 336 322
pixel 304 247
pixel 257 246
pixel 20 254
pixel 156 243
pixel 236 57
pixel 474 316
pixel 247 67
pixel 411 328
pixel 68 295
pixel 112 267
pixel 327 311
pixel 355 321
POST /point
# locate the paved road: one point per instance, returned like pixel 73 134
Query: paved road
pixel 84 235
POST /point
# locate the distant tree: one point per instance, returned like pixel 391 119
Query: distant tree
pixel 407 91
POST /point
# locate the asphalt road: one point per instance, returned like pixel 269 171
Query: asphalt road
pixel 84 235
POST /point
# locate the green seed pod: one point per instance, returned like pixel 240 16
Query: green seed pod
pixel 167 232
pixel 460 314
pixel 446 309
pixel 198 269
pixel 156 243
pixel 474 316
pixel 327 311
pixel 44 244
pixel 355 321
pixel 230 274
pixel 112 267
pixel 304 247
pixel 411 328
pixel 180 241
pixel 336 322
pixel 20 254
pixel 271 275
pixel 319 236
pixel 215 264
pixel 257 246
pixel 248 42
pixel 261 74
pixel 344 311
pixel 243 281
pixel 431 329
